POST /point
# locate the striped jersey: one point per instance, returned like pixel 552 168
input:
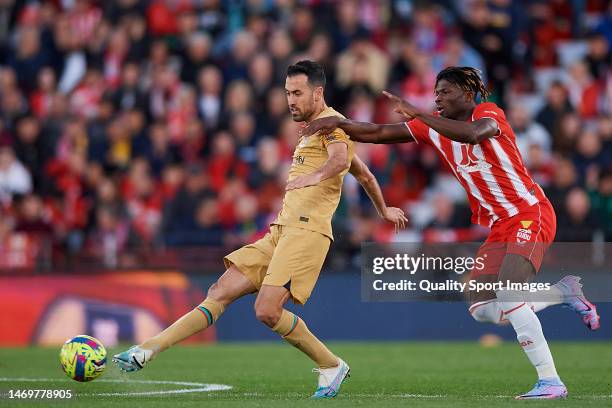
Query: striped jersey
pixel 492 172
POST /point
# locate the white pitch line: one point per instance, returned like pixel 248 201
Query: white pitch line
pixel 199 387
pixel 416 396
pixel 399 396
pixel 208 388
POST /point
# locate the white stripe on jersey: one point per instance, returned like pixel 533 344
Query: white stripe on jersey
pixel 472 189
pixel 507 166
pixel 494 188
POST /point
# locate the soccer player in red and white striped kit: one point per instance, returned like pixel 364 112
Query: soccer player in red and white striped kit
pixel 479 146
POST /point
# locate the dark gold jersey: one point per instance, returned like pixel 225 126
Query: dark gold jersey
pixel 312 207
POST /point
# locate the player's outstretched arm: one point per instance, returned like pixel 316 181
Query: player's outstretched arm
pixel 364 132
pixel 369 183
pixel 457 130
pixel 336 163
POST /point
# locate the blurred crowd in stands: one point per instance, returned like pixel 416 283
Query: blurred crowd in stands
pixel 163 123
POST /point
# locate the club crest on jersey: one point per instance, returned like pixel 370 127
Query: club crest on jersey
pixel 523 235
pixel 469 161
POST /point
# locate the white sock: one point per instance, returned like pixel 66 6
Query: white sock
pixel 327 375
pixel 488 311
pixel 530 336
pixel 543 299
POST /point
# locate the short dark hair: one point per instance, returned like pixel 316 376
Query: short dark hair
pixel 466 78
pixel 313 71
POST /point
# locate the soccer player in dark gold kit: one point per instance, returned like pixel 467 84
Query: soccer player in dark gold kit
pixel 285 264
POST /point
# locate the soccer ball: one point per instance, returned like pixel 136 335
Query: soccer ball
pixel 83 358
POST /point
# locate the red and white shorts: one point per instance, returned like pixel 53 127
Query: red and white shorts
pixel 528 234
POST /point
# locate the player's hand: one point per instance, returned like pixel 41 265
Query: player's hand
pixel 302 181
pixel 402 107
pixel 396 216
pixel 324 125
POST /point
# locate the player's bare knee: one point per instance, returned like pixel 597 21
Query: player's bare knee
pixel 220 293
pixel 267 314
pixel 214 291
pixel 516 268
pixel 230 286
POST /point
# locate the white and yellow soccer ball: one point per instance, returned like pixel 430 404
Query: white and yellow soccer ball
pixel 83 358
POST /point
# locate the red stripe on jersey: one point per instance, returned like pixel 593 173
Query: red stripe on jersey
pixel 476 187
pixel 509 162
pixel 453 160
pixel 487 195
pixel 500 176
pixel 447 148
pixel 497 183
pixel 517 162
pixel 505 150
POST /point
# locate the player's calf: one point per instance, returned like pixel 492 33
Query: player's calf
pixel 269 310
pixel 229 287
pixel 203 316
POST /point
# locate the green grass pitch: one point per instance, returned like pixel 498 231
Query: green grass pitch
pixel 435 374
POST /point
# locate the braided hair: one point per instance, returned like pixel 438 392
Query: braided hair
pixel 466 78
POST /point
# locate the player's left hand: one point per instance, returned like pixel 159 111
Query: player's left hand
pixel 302 181
pixel 396 216
pixel 402 107
pixel 324 126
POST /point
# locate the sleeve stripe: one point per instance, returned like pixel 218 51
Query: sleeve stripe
pixel 411 134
